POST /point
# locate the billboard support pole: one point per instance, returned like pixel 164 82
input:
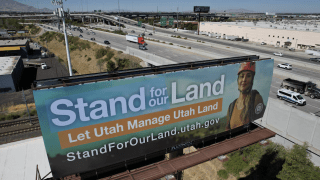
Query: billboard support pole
pixel 172 155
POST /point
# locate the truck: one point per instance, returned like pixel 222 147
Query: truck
pixel 137 39
pixel 228 37
pixel 116 18
pixel 308 88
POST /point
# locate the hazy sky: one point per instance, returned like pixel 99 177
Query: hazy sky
pixel 303 6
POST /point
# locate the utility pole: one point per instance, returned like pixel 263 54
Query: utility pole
pixel 61 14
pixel 177 17
pixel 119 16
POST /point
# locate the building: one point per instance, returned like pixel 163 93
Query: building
pixel 298 34
pixel 14 48
pixel 11 68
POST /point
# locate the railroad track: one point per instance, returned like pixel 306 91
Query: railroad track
pixel 19 122
pixel 20 131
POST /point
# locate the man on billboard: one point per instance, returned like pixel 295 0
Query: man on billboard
pixel 249 105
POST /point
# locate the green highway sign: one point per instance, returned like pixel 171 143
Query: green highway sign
pixel 171 21
pixel 139 23
pixel 163 21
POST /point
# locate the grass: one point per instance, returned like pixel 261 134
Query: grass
pixel 16 111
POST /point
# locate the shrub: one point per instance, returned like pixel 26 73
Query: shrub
pixel 111 66
pixel 33 112
pixel 100 53
pixel 120 52
pixel 235 164
pixel 12 116
pixel 178 36
pixel 185 38
pixel 202 41
pixel 2 117
pixel 223 174
pixel 60 60
pixel 109 55
pixel 85 56
pixel 170 44
pixel 74 71
pixel 89 59
pixel 73 47
pixel 163 42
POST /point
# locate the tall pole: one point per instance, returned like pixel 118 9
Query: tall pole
pixel 177 17
pixel 67 46
pixel 199 23
pixel 61 14
pixel 25 100
pixel 119 15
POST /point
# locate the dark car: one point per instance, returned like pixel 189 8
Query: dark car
pixel 133 31
pixel 80 36
pixel 143 34
pixel 106 42
pixel 93 39
pixel 315 59
pixel 150 34
pixel 143 26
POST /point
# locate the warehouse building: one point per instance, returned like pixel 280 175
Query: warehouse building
pixel 297 34
pixel 14 48
pixel 11 68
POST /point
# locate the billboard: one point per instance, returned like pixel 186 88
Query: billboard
pixel 201 9
pixel 89 126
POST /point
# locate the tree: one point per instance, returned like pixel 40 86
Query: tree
pixel 298 165
pixel 111 66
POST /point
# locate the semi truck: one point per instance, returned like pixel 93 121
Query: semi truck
pixel 228 37
pixel 308 88
pixel 137 39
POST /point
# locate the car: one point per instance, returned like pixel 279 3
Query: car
pixel 133 31
pixel 315 59
pixel 292 49
pixel 143 26
pixel 93 33
pixel 263 43
pixel 278 54
pixel 92 39
pixel 106 42
pixel 143 34
pixel 285 66
pixel 88 33
pixel 80 36
pixel 150 34
pixel 142 47
pixel 44 66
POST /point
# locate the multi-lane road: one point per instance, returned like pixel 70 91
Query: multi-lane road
pixel 204 51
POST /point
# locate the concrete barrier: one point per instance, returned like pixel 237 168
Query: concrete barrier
pixel 293 126
pixel 148 57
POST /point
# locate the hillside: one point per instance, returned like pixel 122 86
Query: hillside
pixel 14 6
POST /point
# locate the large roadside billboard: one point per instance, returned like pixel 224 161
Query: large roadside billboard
pixel 93 125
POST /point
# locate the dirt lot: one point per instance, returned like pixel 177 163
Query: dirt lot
pixel 204 171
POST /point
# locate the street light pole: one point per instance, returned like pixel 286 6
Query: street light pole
pixel 119 15
pixel 61 14
pixel 296 44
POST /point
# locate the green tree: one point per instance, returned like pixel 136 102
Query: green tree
pixel 298 165
pixel 111 66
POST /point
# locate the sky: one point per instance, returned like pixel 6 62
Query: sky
pixel 279 6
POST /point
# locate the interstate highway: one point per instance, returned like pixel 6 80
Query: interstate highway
pixel 313 105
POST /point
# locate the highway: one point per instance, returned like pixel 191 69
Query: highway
pixel 218 51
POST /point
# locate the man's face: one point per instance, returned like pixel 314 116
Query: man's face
pixel 245 81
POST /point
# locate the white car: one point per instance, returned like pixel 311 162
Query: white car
pixel 44 66
pixel 263 43
pixel 278 54
pixel 285 66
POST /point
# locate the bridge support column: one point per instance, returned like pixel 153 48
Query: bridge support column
pixel 104 21
pixel 90 20
pixel 97 20
pixel 82 19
